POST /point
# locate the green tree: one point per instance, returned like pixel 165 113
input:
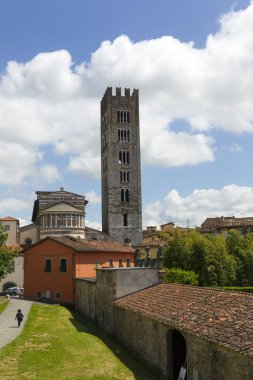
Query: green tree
pixel 181 276
pixel 6 254
pixel 177 252
pixel 205 255
pixel 240 247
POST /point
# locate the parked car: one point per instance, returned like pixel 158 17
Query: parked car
pixel 11 291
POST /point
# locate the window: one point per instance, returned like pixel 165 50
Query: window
pixel 7 227
pixel 63 265
pixel 48 265
pixel 125 221
pixel 57 295
pixel 123 116
pixel 111 262
pixel 28 241
pixel 38 295
pixel 128 263
pixel 120 263
pixel 124 176
pixel 124 135
pixel 124 157
pixel 124 195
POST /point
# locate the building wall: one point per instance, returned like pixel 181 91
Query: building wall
pixel 113 209
pixel 147 340
pixel 79 264
pixel 28 232
pixel 37 280
pixel 111 284
pixel 209 361
pixel 11 227
pixel 86 263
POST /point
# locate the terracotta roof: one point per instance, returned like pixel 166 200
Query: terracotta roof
pixel 8 218
pixel 85 245
pixel 223 317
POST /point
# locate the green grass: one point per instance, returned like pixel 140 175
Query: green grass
pixel 57 344
pixel 3 303
pixel 247 289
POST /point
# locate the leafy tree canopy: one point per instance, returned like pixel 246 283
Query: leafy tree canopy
pixel 181 276
pixel 217 260
pixel 6 254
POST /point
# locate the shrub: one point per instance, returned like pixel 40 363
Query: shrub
pixel 181 276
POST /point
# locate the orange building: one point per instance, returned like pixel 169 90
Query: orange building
pixel 52 264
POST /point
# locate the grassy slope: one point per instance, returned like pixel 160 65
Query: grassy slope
pixel 55 345
pixel 3 303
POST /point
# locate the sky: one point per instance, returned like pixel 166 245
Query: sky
pixel 192 61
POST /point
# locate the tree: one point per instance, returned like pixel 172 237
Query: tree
pixel 177 253
pixel 181 276
pixel 241 248
pixel 205 255
pixel 6 254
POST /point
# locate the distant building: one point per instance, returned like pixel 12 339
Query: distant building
pixel 55 213
pixel 11 227
pixel 224 224
pixel 121 167
pixel 153 239
pixel 15 277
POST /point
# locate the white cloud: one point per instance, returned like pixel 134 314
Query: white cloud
pixel 95 225
pixel 234 147
pixel 200 204
pixel 24 222
pixel 12 205
pixel 49 100
pixel 85 164
pixel 93 198
pixel 49 173
pixel 16 163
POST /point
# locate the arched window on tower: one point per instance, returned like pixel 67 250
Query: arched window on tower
pixel 123 135
pixel 124 157
pixel 124 195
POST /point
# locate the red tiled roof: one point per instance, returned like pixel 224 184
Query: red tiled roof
pixel 223 317
pixel 8 218
pixel 85 245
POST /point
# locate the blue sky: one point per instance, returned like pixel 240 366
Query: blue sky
pixel 192 62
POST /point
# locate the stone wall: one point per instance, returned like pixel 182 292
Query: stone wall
pixel 85 296
pixel 145 338
pixel 207 360
pixel 111 283
pixel 151 341
pixel 148 340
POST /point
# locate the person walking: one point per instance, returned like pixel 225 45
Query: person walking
pixel 19 317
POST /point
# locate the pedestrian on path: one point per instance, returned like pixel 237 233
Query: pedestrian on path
pixel 19 317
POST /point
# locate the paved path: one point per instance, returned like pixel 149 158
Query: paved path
pixel 9 329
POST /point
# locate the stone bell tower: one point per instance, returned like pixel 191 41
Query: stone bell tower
pixel 121 167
